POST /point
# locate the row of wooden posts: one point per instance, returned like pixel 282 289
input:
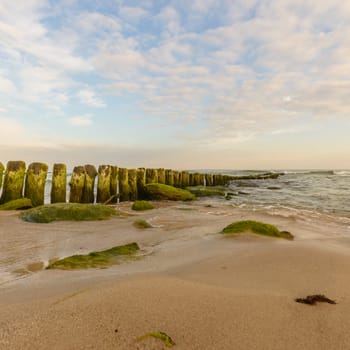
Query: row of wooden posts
pixel 113 183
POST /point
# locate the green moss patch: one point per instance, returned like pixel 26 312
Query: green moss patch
pixel 205 191
pixel 17 204
pixel 115 255
pixel 142 224
pixel 166 339
pixel 68 211
pixel 160 191
pixel 257 227
pixel 142 205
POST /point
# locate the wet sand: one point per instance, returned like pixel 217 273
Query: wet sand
pixel 205 291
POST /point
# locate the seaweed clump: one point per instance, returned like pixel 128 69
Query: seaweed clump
pixel 99 259
pixel 142 205
pixel 161 191
pixel 139 223
pixel 313 299
pixel 17 204
pixel 257 227
pixel 165 338
pixel 68 212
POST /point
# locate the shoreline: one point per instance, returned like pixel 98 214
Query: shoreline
pixel 204 290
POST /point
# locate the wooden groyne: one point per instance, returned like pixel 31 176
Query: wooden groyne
pixel 113 183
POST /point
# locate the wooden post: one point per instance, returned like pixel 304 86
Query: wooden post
pixel 177 181
pixel 169 177
pixel 77 183
pixel 196 179
pixel 14 181
pixel 123 185
pixel 59 183
pixel 35 183
pixel 104 184
pixel 132 181
pixel 114 183
pixel 151 176
pixel 209 179
pixel 185 179
pixel 202 179
pixel 141 182
pixel 161 175
pixel 90 176
pixel 1 174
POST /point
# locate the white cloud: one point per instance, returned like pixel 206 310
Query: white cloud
pixel 89 98
pixel 81 120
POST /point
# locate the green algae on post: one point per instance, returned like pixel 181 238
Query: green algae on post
pixel 14 181
pixel 17 204
pixel 89 185
pixel 160 191
pixel 161 175
pixel 35 183
pixel 142 205
pixel 208 179
pixel 256 227
pixel 68 212
pixel 77 183
pixel 59 183
pixel 99 259
pixel 1 173
pixel 165 338
pixel 151 176
pixel 104 184
pixel 177 178
pixel 124 189
pixel 114 183
pixel 169 177
pixel 185 179
pixel 141 182
pixel 132 182
pixel 140 223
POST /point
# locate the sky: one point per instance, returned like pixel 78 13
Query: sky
pixel 201 84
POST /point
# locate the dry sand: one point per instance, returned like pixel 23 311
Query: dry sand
pixel 205 291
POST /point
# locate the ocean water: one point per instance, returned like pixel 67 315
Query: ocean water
pixel 312 192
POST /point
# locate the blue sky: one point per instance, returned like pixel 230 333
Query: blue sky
pixel 182 84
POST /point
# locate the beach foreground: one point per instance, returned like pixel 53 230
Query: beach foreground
pixel 203 290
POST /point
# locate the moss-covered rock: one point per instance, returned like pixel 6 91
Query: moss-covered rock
pixel 35 183
pixel 140 223
pixel 104 184
pixel 17 204
pixel 160 191
pixel 206 191
pixel 59 183
pixel 142 205
pixel 68 212
pixel 124 189
pixel 13 181
pixel 101 259
pixel 256 227
pixel 77 184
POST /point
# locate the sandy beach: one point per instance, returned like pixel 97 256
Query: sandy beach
pixel 204 290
